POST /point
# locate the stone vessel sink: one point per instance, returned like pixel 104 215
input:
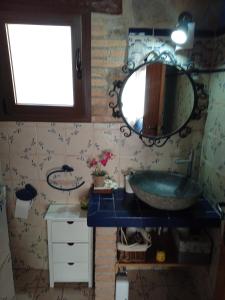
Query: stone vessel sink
pixel 165 190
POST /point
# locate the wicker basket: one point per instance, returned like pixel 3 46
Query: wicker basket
pixel 136 254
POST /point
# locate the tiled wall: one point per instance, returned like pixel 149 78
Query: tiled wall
pixel 212 167
pixel 213 159
pixel 29 150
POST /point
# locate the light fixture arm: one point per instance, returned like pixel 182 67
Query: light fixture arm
pixel 185 17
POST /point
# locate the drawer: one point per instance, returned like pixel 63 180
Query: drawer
pixel 73 252
pixel 66 272
pixel 69 231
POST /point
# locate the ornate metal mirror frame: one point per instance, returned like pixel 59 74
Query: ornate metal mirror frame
pixel 159 141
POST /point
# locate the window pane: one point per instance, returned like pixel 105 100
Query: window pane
pixel 41 64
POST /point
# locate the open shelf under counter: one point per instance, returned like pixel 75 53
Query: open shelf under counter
pixel 174 258
pixel 151 264
pixel 170 263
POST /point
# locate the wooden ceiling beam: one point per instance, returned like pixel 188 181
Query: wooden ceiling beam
pixel 66 6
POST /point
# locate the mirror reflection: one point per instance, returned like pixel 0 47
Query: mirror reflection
pixel 157 99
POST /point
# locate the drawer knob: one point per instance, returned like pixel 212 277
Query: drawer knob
pixel 70 244
pixel 70 222
pixel 70 263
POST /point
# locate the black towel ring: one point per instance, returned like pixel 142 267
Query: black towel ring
pixel 64 169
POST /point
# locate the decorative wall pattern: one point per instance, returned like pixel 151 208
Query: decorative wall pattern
pixel 29 150
pixel 140 44
pixel 212 167
pixel 212 170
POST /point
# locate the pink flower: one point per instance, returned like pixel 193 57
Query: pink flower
pixel 108 155
pixel 100 161
pixel 92 163
pixel 104 162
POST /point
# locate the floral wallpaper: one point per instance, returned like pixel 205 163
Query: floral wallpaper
pixel 212 166
pixel 212 171
pixel 29 150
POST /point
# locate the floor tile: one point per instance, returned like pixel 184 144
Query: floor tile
pixel 161 285
pixel 133 275
pixel 152 278
pixel 179 293
pixel 78 293
pixel 155 293
pixel 48 294
pixel 136 294
pixel 177 278
pixel 27 294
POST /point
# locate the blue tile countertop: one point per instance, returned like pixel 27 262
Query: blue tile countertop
pixel 125 210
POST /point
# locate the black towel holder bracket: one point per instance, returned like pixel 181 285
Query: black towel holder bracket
pixel 64 169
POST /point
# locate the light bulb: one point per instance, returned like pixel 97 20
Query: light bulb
pixel 179 36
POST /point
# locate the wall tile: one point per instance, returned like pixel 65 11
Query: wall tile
pixel 79 140
pixel 50 195
pixel 23 140
pixel 213 151
pixel 106 139
pixel 24 166
pixel 49 162
pixel 212 182
pixel 58 125
pixel 51 140
pixel 4 140
pixel 216 88
pixel 80 168
pixel 215 121
pixel 131 146
pixel 5 167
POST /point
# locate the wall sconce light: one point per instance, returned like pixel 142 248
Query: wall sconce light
pixel 184 30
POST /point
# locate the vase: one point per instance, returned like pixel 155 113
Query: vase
pixel 99 181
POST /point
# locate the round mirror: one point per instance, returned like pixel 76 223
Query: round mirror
pixel 157 99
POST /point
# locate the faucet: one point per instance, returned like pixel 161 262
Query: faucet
pixel 188 161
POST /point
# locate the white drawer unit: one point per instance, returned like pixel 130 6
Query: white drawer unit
pixel 70 272
pixel 72 252
pixel 69 231
pixel 70 245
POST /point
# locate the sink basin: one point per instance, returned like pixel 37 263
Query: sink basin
pixel 165 190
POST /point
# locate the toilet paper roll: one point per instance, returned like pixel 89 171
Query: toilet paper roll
pixel 22 208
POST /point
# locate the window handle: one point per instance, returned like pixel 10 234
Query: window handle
pixel 70 263
pixel 78 64
pixel 70 222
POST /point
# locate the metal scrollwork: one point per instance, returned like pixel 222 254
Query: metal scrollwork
pixel 128 67
pixel 148 142
pixel 118 85
pixel 160 57
pixel 126 131
pixel 202 101
pixel 184 132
